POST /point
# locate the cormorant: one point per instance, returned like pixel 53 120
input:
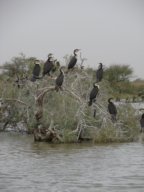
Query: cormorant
pixel 112 109
pixel 48 65
pixel 59 80
pixel 73 60
pixel 142 123
pixel 99 73
pixel 93 94
pixel 36 70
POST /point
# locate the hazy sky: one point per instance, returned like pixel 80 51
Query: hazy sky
pixel 108 31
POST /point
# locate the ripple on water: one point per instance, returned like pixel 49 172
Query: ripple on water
pixel 28 166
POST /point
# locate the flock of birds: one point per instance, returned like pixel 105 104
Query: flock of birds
pixel 48 67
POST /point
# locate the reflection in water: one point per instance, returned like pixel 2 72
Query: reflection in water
pixel 30 167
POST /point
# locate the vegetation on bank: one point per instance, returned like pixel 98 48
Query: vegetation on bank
pixel 65 114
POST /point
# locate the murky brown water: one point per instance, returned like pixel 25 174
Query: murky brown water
pixel 26 166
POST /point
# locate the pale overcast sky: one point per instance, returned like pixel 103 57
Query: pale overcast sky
pixel 108 31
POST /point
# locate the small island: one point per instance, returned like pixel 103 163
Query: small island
pixel 58 104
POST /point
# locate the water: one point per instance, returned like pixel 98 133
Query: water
pixel 26 166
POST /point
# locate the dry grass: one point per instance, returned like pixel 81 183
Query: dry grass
pixel 69 109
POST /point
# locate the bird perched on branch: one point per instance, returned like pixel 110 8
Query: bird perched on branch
pixel 142 123
pixel 59 80
pixel 93 94
pixel 99 73
pixel 36 71
pixel 48 65
pixel 112 109
pixel 73 60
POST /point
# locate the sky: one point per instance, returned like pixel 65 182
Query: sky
pixel 107 31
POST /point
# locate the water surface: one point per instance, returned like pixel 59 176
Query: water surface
pixel 26 166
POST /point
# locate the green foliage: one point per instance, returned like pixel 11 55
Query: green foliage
pixel 19 66
pixel 118 73
pixel 119 78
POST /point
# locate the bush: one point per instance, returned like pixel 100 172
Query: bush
pixel 68 109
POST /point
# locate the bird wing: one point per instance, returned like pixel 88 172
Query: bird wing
pixel 36 70
pixel 59 80
pixel 72 62
pixel 112 108
pixel 47 67
pixel 99 74
pixel 94 93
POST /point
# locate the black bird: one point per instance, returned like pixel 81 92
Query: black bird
pixel 73 60
pixel 142 123
pixel 36 70
pixel 112 109
pixel 93 94
pixel 99 73
pixel 48 65
pixel 59 80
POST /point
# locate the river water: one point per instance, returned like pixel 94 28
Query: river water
pixel 26 166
